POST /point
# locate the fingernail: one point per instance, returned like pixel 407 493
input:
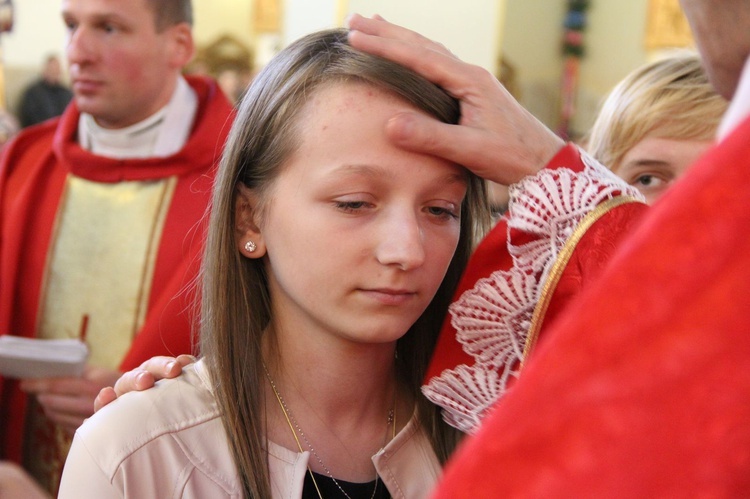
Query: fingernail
pixel 140 377
pixel 401 127
pixel 171 365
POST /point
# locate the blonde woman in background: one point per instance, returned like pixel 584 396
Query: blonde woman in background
pixel 656 122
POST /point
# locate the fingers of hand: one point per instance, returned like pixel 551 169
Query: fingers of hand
pixel 381 28
pixel 61 386
pixel 150 372
pixel 68 411
pixel 135 380
pixel 476 148
pixel 105 396
pixel 100 376
pixel 422 134
pixel 185 359
pixel 174 369
pixel 160 367
pixel 34 385
pixel 430 59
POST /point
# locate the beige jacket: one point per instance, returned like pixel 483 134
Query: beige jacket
pixel 169 442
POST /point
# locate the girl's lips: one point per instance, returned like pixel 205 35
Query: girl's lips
pixel 390 296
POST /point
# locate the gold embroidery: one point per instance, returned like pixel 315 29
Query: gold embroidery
pixel 100 268
pixel 101 263
pixel 537 319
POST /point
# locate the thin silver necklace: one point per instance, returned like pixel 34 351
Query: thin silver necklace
pixel 292 422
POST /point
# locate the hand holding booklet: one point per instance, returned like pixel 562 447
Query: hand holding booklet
pixel 25 358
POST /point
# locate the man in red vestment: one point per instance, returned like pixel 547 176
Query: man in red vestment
pixel 640 387
pixel 101 215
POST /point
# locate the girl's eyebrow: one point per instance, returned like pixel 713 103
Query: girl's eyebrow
pixel 358 169
pixel 375 171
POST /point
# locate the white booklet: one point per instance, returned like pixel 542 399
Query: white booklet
pixel 37 358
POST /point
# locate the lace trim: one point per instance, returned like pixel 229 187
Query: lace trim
pixel 493 319
pixel 550 284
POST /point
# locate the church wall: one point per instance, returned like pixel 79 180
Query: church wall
pixel 529 32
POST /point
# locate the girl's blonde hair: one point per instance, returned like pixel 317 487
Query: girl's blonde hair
pixel 671 97
pixel 235 297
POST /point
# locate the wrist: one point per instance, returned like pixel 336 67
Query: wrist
pixel 567 155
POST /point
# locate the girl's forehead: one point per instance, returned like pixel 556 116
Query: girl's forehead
pixel 350 95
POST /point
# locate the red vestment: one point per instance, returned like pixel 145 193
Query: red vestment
pixel 642 387
pixel 561 228
pixel 32 177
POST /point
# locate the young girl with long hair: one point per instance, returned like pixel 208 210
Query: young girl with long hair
pixel 330 261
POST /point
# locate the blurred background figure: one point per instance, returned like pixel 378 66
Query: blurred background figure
pixel 46 97
pixel 656 122
pixel 116 190
pixel 9 127
pixel 230 83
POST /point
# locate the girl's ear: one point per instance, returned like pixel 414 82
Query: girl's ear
pixel 248 237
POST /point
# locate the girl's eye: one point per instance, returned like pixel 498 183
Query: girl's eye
pixel 442 212
pixel 351 206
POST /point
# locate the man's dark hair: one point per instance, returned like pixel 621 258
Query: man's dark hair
pixel 171 12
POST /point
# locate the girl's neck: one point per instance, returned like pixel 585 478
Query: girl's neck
pixel 337 377
pixel 340 396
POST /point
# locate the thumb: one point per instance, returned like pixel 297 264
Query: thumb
pixel 416 132
pixel 457 144
pixel 487 153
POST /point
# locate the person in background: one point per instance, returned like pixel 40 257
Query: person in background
pixel 315 330
pixel 101 221
pixel 656 122
pixel 45 98
pixel 9 127
pixel 640 387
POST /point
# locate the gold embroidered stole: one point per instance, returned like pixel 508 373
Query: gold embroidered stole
pixel 97 283
pixel 549 286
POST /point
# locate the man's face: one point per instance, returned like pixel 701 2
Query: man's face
pixel 722 33
pixel 122 70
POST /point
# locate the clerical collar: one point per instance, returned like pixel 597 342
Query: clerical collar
pixel 162 134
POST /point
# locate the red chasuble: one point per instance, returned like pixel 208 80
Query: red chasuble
pixel 35 170
pixel 642 387
pixel 562 227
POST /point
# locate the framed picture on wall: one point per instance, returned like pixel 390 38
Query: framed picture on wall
pixel 667 25
pixel 6 16
pixel 267 16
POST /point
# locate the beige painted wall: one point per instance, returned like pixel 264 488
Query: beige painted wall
pixel 614 42
pixel 471 29
pixel 528 30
